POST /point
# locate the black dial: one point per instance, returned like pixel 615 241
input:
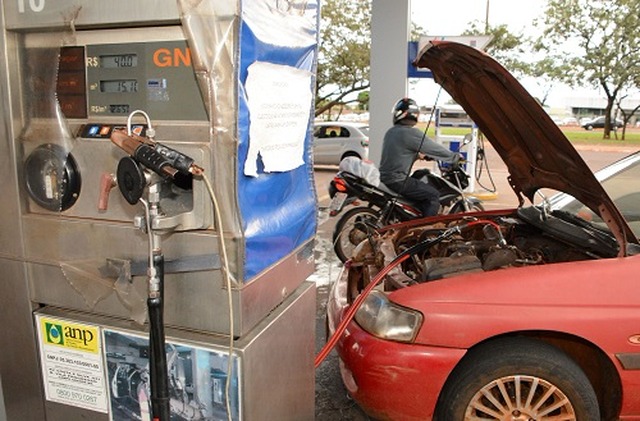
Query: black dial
pixel 52 177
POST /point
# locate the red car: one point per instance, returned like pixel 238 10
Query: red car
pixel 523 314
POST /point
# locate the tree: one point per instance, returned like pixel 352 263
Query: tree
pixel 514 52
pixel 506 47
pixel 363 100
pixel 598 43
pixel 626 114
pixel 344 53
pixel 546 72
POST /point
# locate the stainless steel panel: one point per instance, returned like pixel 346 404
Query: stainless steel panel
pixel 35 14
pixel 278 369
pixel 19 373
pixel 3 411
pixel 63 259
pixel 194 300
pixel 18 357
pixel 10 238
pixel 32 14
pixel 68 251
pixel 277 373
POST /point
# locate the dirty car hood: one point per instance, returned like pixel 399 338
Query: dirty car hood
pixel 536 152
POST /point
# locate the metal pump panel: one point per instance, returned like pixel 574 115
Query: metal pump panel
pixel 220 86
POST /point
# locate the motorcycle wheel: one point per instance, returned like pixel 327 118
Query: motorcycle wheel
pixel 352 228
pixel 458 207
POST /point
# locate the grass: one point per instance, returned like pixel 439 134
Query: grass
pixel 576 135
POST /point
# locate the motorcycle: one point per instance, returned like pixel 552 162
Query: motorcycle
pixel 358 182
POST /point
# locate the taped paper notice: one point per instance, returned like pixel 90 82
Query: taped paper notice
pixel 279 100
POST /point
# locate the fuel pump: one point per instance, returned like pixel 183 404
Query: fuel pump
pixel 200 304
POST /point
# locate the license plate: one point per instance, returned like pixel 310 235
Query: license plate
pixel 337 202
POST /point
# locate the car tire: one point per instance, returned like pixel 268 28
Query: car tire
pixel 589 127
pixel 488 382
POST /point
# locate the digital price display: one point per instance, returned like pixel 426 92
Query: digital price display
pixel 119 108
pixel 157 77
pixel 118 61
pixel 70 85
pixel 119 86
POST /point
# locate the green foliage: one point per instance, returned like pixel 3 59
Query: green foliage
pixel 344 51
pixel 514 52
pixel 576 135
pixel 597 42
pixel 344 54
pixel 505 47
pixel 363 100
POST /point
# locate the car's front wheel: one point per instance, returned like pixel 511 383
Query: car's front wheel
pixel 517 379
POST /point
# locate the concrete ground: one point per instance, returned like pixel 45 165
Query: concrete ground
pixel 332 400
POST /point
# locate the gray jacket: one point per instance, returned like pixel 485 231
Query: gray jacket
pixel 399 150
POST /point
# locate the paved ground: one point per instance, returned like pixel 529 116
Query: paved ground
pixel 332 402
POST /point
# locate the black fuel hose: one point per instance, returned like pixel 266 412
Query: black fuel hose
pixel 160 406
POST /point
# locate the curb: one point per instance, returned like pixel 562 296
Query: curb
pixel 484 195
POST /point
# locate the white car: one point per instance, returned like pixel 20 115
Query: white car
pixel 335 140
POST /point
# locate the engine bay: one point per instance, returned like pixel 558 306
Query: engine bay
pixel 466 244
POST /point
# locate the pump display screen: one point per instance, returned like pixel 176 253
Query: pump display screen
pixel 157 77
pixel 119 108
pixel 70 84
pixel 119 85
pixel 118 61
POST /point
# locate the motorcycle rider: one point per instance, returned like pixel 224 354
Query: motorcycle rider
pixel 402 144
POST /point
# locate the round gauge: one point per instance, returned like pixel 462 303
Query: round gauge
pixel 131 180
pixel 52 177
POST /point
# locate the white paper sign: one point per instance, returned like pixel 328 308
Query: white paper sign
pixel 72 366
pixel 279 99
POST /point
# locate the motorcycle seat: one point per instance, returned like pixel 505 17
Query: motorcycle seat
pixel 387 190
pixel 395 195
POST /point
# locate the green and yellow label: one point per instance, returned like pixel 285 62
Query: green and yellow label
pixel 70 335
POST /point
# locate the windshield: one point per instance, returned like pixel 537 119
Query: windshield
pixel 621 181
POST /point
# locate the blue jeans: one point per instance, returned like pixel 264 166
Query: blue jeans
pixel 425 196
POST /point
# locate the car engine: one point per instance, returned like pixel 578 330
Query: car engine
pixel 467 244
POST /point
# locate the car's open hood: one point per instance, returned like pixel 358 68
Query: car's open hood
pixel 536 152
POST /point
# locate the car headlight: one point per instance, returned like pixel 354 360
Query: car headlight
pixel 387 320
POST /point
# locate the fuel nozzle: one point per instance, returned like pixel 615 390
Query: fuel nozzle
pixel 161 159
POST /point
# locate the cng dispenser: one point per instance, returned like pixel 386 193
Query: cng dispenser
pixel 468 146
pixel 227 84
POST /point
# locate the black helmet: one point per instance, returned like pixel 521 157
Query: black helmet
pixel 405 108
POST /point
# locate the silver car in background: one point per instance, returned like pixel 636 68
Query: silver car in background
pixel 335 140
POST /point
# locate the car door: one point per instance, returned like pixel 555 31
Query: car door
pixel 328 144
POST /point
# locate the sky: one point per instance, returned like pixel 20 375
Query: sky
pixel 452 17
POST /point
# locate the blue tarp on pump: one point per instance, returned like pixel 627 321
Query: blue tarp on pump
pixel 276 191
